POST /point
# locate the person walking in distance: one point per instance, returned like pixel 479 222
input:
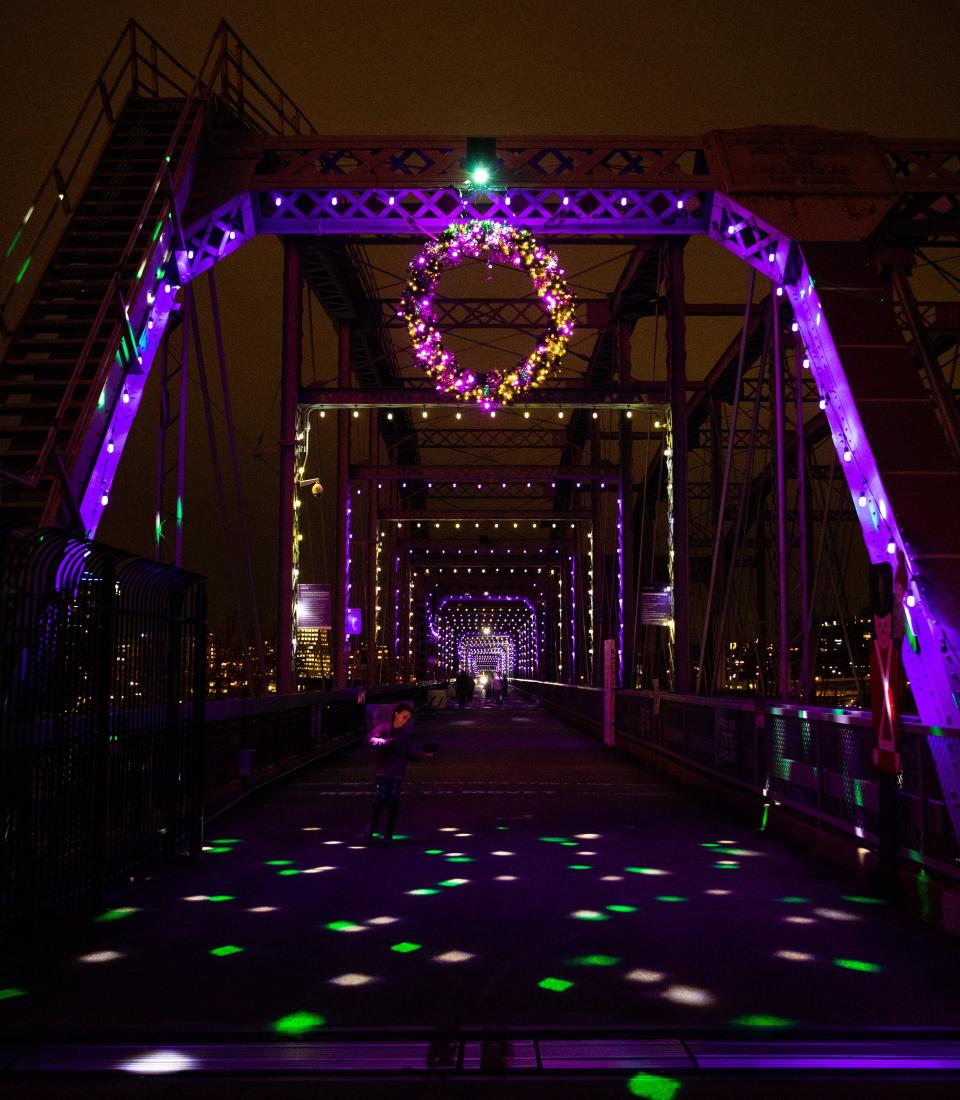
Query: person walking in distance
pixel 392 742
pixel 464 688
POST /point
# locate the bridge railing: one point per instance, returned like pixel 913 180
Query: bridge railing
pixel 252 742
pixel 101 704
pixel 815 763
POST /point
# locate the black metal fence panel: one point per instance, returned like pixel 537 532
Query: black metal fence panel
pixel 101 719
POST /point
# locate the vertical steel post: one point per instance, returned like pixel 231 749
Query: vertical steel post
pixel 628 616
pixel 289 396
pixel 597 607
pixel 338 632
pixel 182 440
pixel 803 533
pixel 371 609
pixel 783 633
pixel 677 379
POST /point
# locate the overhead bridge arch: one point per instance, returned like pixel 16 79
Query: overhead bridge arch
pixel 803 207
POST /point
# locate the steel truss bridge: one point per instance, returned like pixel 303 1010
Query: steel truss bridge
pixel 833 408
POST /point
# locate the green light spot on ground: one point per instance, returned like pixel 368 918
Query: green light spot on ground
pixel 214 849
pixel 405 948
pixel 726 866
pixel 650 1086
pixel 226 840
pixel 552 839
pixel 594 960
pixel 578 866
pixel 503 828
pixel 642 870
pixel 459 859
pixel 423 891
pixel 297 1023
pixel 568 844
pixel 115 914
pixel 220 897
pixel 862 900
pixel 289 871
pixel 434 851
pixel 10 992
pixel 451 882
pixel 556 985
pixel 760 1020
pixel 227 949
pixel 670 897
pixel 278 862
pixel 622 908
pixel 857 964
pixel 791 900
pixel 766 814
pixel 340 925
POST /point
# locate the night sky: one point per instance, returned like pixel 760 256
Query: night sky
pixel 453 68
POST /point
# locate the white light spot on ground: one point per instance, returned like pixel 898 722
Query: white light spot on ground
pixel 350 928
pixel 646 976
pixel 455 881
pixel 652 871
pixel 352 979
pixel 588 914
pixel 506 878
pixel 586 853
pixel 317 870
pixel 836 914
pixel 724 842
pixel 687 995
pixel 196 897
pixel 263 909
pixel 453 957
pixel 159 1061
pixel 795 956
pixel 383 920
pixel 586 836
pixel 207 848
pixel 727 863
pixel 421 891
pixel 448 828
pixel 611 878
pixel 451 854
pixel 799 920
pixel 502 853
pixel 463 834
pixel 718 893
pixel 100 957
pixel 333 842
pixel 311 828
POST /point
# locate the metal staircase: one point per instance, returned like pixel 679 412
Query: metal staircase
pixel 77 320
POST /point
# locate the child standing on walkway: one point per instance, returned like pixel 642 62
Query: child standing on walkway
pixel 392 742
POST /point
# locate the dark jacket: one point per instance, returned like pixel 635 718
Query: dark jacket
pixel 391 761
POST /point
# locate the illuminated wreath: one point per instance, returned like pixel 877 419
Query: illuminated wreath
pixel 494 243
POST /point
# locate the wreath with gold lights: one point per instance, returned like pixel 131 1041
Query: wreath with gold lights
pixel 492 243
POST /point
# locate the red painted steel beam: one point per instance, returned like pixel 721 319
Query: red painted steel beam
pixel 366 471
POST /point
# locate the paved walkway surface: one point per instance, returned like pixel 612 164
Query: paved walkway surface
pixel 542 882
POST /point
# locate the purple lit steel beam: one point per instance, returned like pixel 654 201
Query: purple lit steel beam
pixel 933 667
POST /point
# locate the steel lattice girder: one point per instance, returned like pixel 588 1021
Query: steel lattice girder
pixel 445 475
pixel 651 208
pixel 645 397
pixel 496 438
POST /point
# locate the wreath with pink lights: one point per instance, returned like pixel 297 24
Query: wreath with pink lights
pixel 491 243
